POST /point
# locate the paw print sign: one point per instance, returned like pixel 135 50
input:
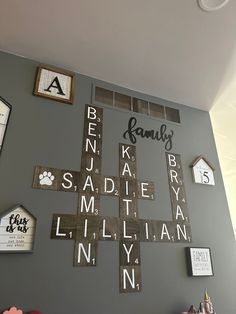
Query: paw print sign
pixel 46 178
pixel 87 227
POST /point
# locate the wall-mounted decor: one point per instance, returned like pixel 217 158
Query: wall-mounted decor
pixel 114 99
pixel 199 261
pixel 53 83
pixel 17 230
pixel 87 227
pixel 203 172
pixel 5 110
pixel 162 135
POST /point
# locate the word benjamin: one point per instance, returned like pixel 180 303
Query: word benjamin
pixel 160 135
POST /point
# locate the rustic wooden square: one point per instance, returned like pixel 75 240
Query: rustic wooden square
pixel 85 253
pixel 54 83
pixel 63 226
pixel 128 188
pixel 175 177
pixel 147 230
pixel 127 169
pixel 89 204
pixel 128 208
pixel 87 228
pixel 130 230
pixel 92 145
pixel 92 128
pixel 179 211
pixel 69 181
pixel 164 231
pixel 46 178
pixel 173 161
pixel 146 190
pixel 89 183
pixel 183 233
pixel 130 279
pixel 91 163
pixel 93 113
pixel 127 152
pixel 110 186
pixel 130 253
pixel 109 229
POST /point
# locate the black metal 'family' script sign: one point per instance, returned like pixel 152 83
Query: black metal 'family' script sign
pixel 87 227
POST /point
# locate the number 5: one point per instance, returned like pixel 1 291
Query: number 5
pixel 205 175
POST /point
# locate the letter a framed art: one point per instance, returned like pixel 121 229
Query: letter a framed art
pixel 54 83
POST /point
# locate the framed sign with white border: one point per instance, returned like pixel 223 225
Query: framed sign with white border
pixel 199 262
pixel 17 230
pixel 54 83
pixel 5 110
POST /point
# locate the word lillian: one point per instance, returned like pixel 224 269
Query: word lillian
pixel 160 135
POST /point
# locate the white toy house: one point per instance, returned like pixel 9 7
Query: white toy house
pixel 203 172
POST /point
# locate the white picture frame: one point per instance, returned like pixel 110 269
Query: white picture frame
pixel 203 171
pixel 17 230
pixel 5 111
pixel 53 83
pixel 199 261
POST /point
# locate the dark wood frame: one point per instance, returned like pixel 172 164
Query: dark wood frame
pixel 10 108
pixel 190 264
pixel 59 71
pixel 4 213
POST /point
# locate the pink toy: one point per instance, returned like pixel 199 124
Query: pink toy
pixel 13 310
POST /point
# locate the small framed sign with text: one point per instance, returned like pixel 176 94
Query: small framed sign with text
pixel 56 84
pixel 5 110
pixel 199 261
pixel 203 171
pixel 17 230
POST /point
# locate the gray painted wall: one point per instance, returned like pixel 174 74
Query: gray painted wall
pixel 49 133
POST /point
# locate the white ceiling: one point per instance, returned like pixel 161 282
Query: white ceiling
pixel 167 48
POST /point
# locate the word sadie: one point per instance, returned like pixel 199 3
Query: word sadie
pixel 73 181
